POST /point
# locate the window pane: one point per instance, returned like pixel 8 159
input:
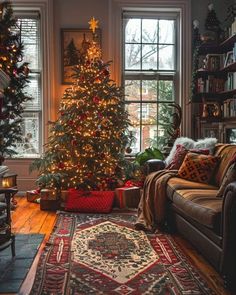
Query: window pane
pixel 33 90
pixel 135 132
pixel 31 126
pixel 149 57
pixel 132 56
pixel 149 123
pixel 166 90
pixel 30 34
pixel 134 113
pixel 29 147
pixel 132 30
pixel 149 31
pixel 149 90
pixel 166 57
pixel 166 31
pixel 132 90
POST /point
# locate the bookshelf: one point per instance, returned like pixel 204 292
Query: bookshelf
pixel 214 90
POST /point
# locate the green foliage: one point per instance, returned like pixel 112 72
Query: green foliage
pixel 11 52
pixel 87 143
pixel 149 153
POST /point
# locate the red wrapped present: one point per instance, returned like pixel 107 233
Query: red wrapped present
pixel 127 197
pixel 89 202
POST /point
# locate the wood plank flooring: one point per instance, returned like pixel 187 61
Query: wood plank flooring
pixel 28 218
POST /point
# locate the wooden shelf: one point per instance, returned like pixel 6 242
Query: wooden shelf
pixel 226 45
pixel 209 96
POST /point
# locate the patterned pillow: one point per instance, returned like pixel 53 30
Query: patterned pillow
pixel 197 167
pixel 180 154
pixel 229 176
pixel 178 157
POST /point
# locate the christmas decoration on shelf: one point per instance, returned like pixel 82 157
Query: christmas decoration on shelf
pixel 15 73
pixel 88 141
pixel 212 26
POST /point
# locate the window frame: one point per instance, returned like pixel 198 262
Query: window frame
pixel 151 74
pixel 45 9
pixel 34 14
pixel 183 76
pixel 25 179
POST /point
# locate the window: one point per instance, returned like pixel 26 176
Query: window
pixel 29 26
pixel 149 70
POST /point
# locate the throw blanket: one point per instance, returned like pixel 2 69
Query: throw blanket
pixel 151 210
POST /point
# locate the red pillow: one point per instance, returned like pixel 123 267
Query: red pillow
pixel 178 157
pixel 89 202
pixel 180 154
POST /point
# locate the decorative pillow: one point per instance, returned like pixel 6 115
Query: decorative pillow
pixel 230 176
pixel 198 167
pixel 188 143
pixel 89 202
pixel 179 155
pixel 208 143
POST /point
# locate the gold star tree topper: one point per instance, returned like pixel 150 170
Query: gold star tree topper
pixel 93 24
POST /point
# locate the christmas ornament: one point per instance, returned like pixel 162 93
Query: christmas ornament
pixel 96 99
pixel 128 150
pixel 61 165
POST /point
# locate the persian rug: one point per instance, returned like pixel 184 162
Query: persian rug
pixel 14 270
pixel 104 254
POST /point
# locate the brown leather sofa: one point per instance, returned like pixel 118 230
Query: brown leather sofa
pixel 207 221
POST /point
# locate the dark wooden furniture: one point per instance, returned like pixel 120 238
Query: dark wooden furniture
pixel 7 238
pixel 214 90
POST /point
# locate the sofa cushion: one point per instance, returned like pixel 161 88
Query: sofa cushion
pixel 197 167
pixel 226 152
pixel 229 177
pixel 177 183
pixel 200 205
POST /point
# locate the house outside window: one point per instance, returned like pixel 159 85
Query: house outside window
pixel 149 71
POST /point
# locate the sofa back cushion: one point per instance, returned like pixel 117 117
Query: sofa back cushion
pixel 197 167
pixel 227 153
pixel 229 177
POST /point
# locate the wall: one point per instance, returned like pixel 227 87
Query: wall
pixel 199 10
pixel 76 14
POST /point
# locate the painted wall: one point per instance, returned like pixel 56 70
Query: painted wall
pixel 199 10
pixel 76 14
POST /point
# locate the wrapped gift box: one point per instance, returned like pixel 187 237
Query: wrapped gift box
pixel 48 194
pixel 33 196
pixel 63 197
pixel 127 197
pixel 49 200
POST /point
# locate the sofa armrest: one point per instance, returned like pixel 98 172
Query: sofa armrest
pixel 228 262
pixel 154 165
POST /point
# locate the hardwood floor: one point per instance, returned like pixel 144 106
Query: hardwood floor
pixel 28 218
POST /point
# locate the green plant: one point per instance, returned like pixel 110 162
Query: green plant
pixel 149 153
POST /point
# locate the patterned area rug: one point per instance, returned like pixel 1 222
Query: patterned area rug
pixel 103 254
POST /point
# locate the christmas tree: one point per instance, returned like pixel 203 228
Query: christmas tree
pixel 87 143
pixel 12 96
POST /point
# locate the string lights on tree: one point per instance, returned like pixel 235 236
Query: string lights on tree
pixel 88 141
pixel 12 96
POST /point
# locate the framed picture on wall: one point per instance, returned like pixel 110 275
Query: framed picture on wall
pixel 71 49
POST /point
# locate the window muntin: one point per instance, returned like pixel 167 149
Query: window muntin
pixel 29 27
pixel 149 70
